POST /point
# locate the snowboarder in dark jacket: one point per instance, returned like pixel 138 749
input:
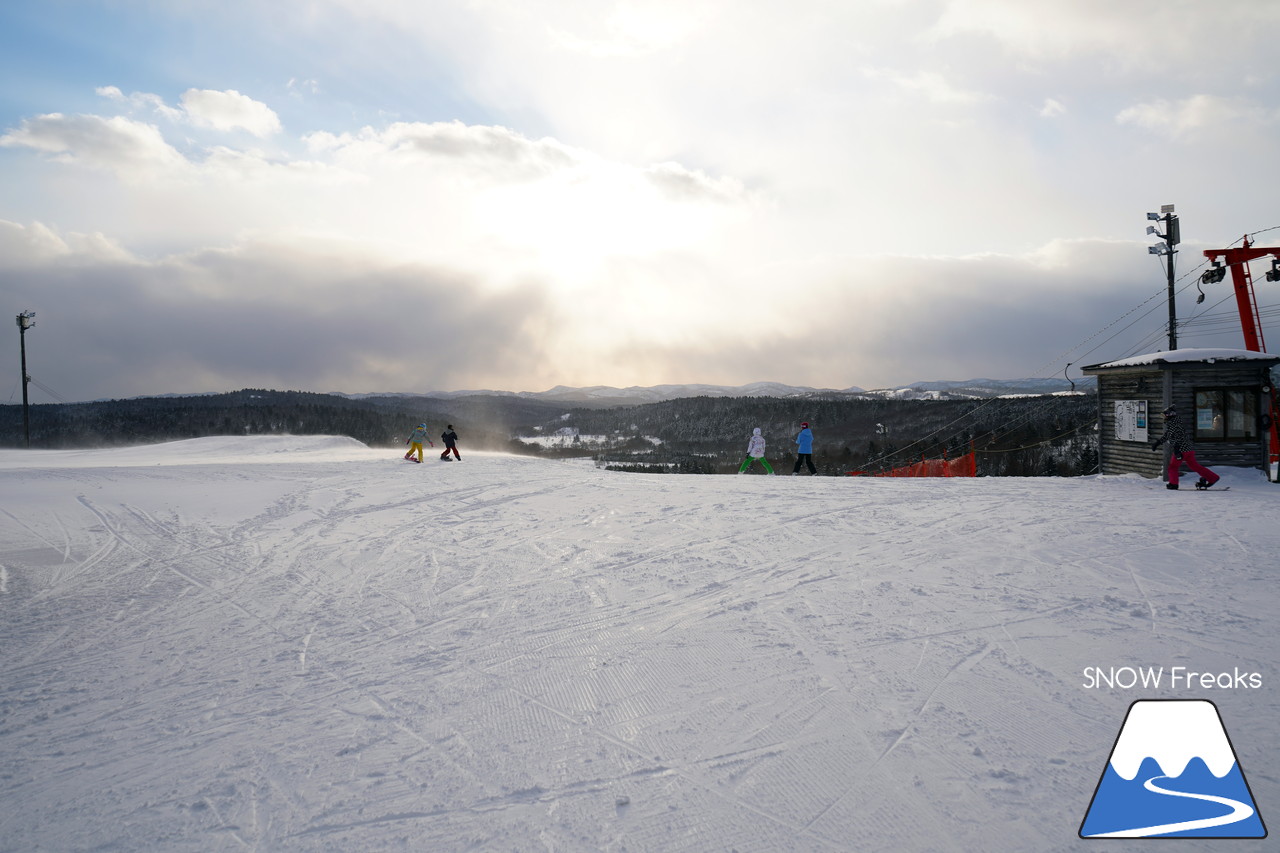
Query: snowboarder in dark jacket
pixel 1175 435
pixel 450 439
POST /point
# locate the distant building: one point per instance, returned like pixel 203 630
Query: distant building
pixel 1224 396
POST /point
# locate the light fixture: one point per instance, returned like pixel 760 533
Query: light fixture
pixel 1159 249
pixel 1273 274
pixel 1154 216
pixel 1214 275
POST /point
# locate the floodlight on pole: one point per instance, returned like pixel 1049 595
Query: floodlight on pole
pixel 1172 236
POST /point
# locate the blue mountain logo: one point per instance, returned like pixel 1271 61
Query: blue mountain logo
pixel 1173 773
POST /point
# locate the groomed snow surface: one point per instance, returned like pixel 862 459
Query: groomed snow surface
pixel 305 644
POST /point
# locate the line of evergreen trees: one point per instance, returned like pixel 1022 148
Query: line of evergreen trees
pixel 377 423
pixel 1035 436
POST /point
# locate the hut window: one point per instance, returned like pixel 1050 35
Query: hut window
pixel 1226 414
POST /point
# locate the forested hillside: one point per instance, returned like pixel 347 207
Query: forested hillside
pixel 378 422
pixel 1048 435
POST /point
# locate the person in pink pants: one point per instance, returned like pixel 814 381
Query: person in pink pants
pixel 1175 434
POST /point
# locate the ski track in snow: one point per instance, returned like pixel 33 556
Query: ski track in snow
pixel 348 652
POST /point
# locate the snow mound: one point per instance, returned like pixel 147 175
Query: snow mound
pixel 220 450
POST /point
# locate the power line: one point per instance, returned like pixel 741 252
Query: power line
pixel 46 389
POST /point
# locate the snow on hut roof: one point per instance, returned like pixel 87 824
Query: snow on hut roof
pixel 1188 355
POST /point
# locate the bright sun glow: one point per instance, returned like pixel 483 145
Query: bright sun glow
pixel 575 221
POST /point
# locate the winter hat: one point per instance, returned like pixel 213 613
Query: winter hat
pixel 1170 411
pixel 804 424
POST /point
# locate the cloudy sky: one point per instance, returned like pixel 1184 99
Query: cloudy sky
pixel 415 195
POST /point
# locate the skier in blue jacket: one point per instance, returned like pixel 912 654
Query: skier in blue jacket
pixel 804 449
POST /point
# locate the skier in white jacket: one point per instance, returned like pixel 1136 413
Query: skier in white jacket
pixel 755 452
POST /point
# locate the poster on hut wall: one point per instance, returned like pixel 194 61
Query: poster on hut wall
pixel 1131 420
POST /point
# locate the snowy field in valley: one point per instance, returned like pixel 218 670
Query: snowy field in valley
pixel 305 644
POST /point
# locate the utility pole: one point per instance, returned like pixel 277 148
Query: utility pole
pixel 1172 236
pixel 26 320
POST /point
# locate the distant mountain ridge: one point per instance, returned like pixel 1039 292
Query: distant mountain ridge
pixel 608 396
pixel 984 388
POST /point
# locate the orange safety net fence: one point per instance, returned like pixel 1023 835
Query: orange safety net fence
pixel 964 466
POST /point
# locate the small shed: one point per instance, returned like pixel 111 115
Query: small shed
pixel 1224 397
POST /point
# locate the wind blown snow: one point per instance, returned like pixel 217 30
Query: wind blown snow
pixel 306 644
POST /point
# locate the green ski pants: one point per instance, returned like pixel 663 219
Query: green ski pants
pixel 746 463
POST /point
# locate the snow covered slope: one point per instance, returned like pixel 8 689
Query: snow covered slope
pixel 340 650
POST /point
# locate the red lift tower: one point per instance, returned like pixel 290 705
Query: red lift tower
pixel 1247 304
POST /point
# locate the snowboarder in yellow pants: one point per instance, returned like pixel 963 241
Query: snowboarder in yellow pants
pixel 415 442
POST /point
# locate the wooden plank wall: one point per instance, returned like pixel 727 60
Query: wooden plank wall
pixel 1129 457
pixel 1186 379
